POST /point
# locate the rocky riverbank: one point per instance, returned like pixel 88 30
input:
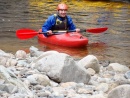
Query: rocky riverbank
pixel 52 74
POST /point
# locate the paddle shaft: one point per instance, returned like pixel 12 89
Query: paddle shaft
pixel 60 32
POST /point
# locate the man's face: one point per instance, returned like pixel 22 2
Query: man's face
pixel 62 13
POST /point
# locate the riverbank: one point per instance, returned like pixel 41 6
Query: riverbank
pixel 51 74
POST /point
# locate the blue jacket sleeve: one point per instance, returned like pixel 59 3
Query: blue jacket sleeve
pixel 71 25
pixel 48 24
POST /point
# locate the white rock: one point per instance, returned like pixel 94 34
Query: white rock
pixel 20 54
pixel 91 71
pixel 61 67
pixel 3 61
pixel 90 61
pixel 122 91
pixel 102 87
pixel 98 96
pixel 118 67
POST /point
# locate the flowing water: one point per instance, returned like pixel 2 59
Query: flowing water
pixel 112 45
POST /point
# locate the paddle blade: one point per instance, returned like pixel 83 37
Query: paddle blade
pixel 97 30
pixel 25 33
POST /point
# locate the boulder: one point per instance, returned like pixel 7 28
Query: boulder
pixel 61 67
pixel 118 67
pixel 20 54
pixel 122 91
pixel 90 61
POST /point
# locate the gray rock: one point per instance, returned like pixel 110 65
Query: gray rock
pixel 90 61
pixel 98 96
pixel 122 91
pixel 127 75
pixel 39 79
pixel 10 88
pixel 34 51
pixel 2 86
pixel 3 61
pixel 61 67
pixel 102 87
pixel 12 79
pixel 118 67
pixel 20 54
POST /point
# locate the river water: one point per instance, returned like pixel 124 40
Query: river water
pixel 112 45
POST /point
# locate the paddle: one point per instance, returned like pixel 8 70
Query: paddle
pixel 28 33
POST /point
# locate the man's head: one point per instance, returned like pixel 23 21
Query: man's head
pixel 62 9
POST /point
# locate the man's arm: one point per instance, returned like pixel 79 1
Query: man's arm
pixel 71 25
pixel 48 24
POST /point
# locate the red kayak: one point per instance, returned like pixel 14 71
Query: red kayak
pixel 70 39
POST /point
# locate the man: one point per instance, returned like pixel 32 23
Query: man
pixel 59 21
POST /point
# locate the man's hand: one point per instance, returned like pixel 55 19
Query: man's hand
pixel 49 32
pixel 77 30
